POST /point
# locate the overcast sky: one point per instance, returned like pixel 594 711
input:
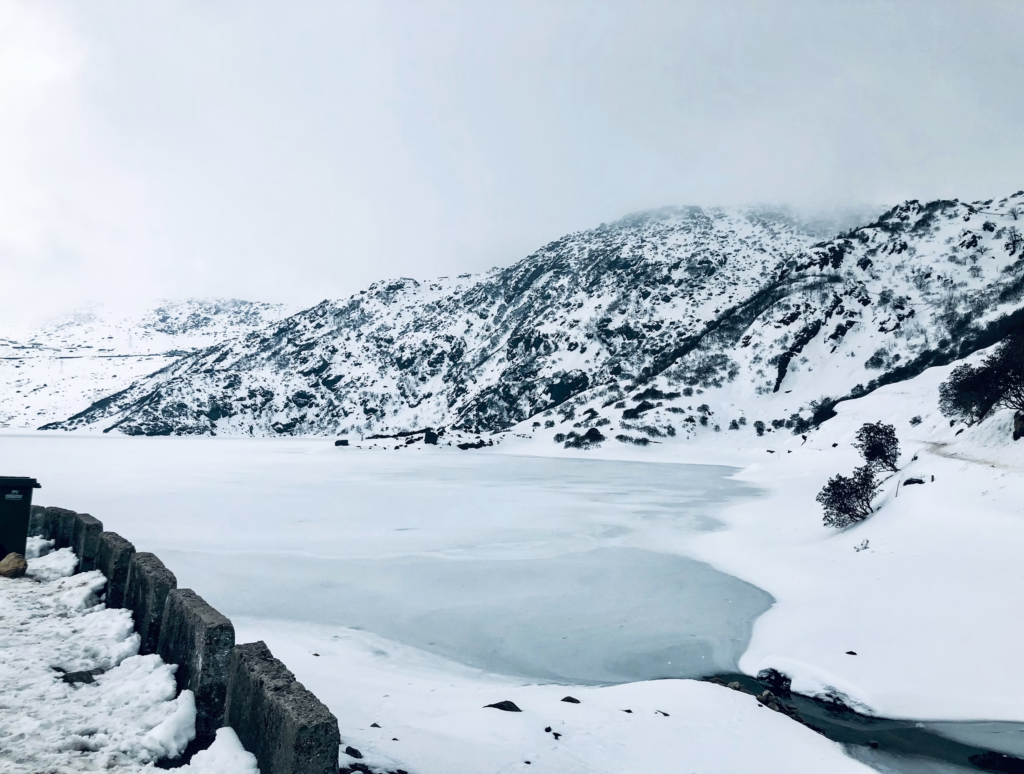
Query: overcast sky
pixel 300 150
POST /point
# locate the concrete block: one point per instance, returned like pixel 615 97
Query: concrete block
pixel 62 526
pixel 37 523
pixel 199 640
pixel 113 555
pixel 285 726
pixel 85 540
pixel 149 583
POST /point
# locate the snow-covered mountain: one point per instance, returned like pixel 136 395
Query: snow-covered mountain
pixel 677 321
pixel 61 367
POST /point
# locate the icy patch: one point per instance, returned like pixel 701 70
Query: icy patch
pixel 128 716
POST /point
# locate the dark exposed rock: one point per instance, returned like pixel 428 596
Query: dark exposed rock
pixel 13 566
pixel 352 752
pixel 341 442
pixel 778 682
pixel 912 481
pixel 504 706
pixel 997 762
pixel 86 677
pixel 570 700
pixel 1018 425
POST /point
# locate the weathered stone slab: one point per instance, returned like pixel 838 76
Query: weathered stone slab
pixel 62 526
pixel 199 640
pixel 85 540
pixel 113 556
pixel 285 726
pixel 149 583
pixel 37 522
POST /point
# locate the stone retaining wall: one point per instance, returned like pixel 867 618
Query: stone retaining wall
pixel 284 725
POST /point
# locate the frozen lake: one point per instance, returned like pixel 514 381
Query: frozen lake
pixel 561 570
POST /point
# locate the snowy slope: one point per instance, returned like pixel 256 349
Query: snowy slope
pixel 58 369
pixel 741 310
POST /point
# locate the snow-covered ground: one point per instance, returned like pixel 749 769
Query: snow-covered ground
pixel 432 717
pixel 400 551
pixel 120 720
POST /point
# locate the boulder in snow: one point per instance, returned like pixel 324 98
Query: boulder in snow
pixel 13 566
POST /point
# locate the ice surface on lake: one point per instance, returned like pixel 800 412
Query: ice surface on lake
pixel 555 569
pixel 607 615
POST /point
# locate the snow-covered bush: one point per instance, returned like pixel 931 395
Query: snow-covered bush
pixel 847 500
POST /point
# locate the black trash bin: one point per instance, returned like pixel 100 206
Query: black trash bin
pixel 15 507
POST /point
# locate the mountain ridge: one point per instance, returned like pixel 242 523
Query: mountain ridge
pixel 731 304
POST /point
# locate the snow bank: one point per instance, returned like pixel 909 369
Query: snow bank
pixel 432 718
pixel 927 605
pixel 126 717
pixel 225 756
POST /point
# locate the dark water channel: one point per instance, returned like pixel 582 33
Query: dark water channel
pixel 901 746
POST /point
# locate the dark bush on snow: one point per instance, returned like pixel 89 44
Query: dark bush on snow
pixel 759 427
pixel 879 446
pixel 972 392
pixel 798 424
pixel 634 441
pixel 734 425
pixel 637 410
pixel 969 393
pixel 847 500
pixel 591 437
